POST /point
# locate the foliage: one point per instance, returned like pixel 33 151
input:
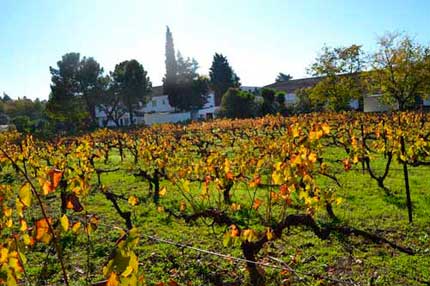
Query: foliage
pixel 340 69
pixel 269 104
pixel 400 70
pixel 92 84
pixel 171 65
pixel 66 105
pixel 189 92
pixel 222 77
pixel 238 104
pixel 131 84
pixel 271 190
pixel 283 77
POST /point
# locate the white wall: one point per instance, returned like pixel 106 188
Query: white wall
pixel 153 118
pixel 373 103
pixel 158 110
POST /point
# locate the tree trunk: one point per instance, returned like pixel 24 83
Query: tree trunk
pixel 156 182
pixel 255 276
pixel 406 176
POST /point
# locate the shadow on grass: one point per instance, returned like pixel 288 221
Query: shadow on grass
pixel 397 201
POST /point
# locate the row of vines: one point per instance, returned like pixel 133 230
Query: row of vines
pixel 255 177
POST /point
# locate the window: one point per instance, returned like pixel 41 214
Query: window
pixel 154 103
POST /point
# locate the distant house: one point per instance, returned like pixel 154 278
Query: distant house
pixel 371 102
pixel 374 103
pixel 158 110
pixel 290 88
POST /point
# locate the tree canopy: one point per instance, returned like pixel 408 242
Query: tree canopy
pixel 132 84
pixel 66 104
pixel 237 103
pixel 222 77
pixel 400 70
pixel 340 69
pixel 171 65
pixel 283 77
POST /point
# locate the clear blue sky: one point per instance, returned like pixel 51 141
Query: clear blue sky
pixel 260 38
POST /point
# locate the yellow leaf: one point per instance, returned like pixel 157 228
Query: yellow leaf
pixel 249 235
pixel 76 226
pixel 235 207
pixel 27 239
pixel 25 194
pixel 182 206
pixel 7 211
pixel 163 191
pixel 133 200
pixel 127 271
pixel 269 234
pixel 4 255
pixel 64 222
pixel 326 128
pixel 277 178
pixel 312 157
pixel 24 226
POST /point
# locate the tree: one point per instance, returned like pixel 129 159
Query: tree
pixel 190 90
pixel 222 77
pixel 186 90
pixel 92 85
pixel 110 102
pixel 280 99
pixel 25 107
pixel 65 104
pixel 269 106
pixel 400 70
pixel 6 97
pixel 283 77
pixel 340 69
pixel 238 104
pixel 171 66
pixel 131 83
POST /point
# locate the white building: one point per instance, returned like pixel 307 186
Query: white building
pixel 371 103
pixel 158 110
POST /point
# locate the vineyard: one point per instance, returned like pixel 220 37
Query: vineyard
pixel 316 199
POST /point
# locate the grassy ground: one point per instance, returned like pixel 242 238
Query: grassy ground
pixel 317 262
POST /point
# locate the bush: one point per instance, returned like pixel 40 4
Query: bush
pixel 236 103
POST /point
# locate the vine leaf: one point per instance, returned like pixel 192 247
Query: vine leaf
pixel 42 230
pixel 54 180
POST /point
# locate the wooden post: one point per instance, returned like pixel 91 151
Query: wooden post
pixel 406 176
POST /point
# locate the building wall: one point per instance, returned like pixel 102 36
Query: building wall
pixel 373 103
pixel 153 118
pixel 158 110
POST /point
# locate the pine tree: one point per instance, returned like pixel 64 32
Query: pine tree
pixel 222 77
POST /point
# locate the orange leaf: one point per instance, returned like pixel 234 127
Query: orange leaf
pixel 71 202
pixel 234 230
pixel 42 230
pixel 113 280
pixel 52 183
pixel 256 204
pixel 55 176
